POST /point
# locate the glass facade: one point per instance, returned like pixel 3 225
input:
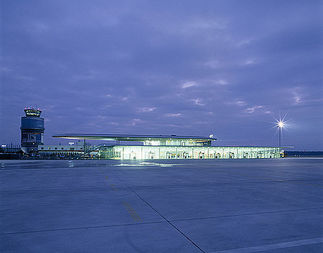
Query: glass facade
pixel 171 147
pixel 185 152
pixel 176 142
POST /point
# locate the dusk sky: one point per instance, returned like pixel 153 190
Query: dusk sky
pixel 228 68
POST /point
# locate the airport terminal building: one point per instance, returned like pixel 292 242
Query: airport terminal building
pixel 143 147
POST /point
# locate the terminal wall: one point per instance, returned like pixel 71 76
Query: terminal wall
pixel 169 152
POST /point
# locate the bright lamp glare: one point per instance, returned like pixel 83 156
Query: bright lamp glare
pixel 280 124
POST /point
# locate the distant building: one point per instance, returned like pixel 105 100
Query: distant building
pixel 10 151
pixel 32 130
pixel 171 147
pixel 57 151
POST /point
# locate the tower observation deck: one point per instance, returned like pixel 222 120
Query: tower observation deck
pixel 32 130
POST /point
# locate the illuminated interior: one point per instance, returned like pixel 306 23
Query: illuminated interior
pixel 172 147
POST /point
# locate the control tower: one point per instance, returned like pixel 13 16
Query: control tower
pixel 32 130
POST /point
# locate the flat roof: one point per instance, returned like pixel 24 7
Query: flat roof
pixel 129 137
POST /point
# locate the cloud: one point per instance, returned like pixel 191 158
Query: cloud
pixel 134 122
pixel 214 64
pixel 296 95
pixel 5 69
pixel 249 62
pixel 244 42
pixel 175 115
pixel 239 103
pixel 189 84
pixel 297 99
pixel 221 82
pixel 146 109
pixel 257 109
pixel 126 60
pixel 197 101
pixel 253 108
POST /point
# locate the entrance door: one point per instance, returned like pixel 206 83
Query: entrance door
pixel 151 155
pixel 133 155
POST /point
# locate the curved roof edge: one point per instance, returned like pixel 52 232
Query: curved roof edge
pixel 129 137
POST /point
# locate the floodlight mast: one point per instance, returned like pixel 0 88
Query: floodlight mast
pixel 280 125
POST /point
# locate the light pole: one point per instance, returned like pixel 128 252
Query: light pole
pixel 280 125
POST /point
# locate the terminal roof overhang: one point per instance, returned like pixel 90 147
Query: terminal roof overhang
pixel 126 137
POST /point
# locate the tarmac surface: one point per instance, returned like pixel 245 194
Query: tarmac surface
pixel 227 206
